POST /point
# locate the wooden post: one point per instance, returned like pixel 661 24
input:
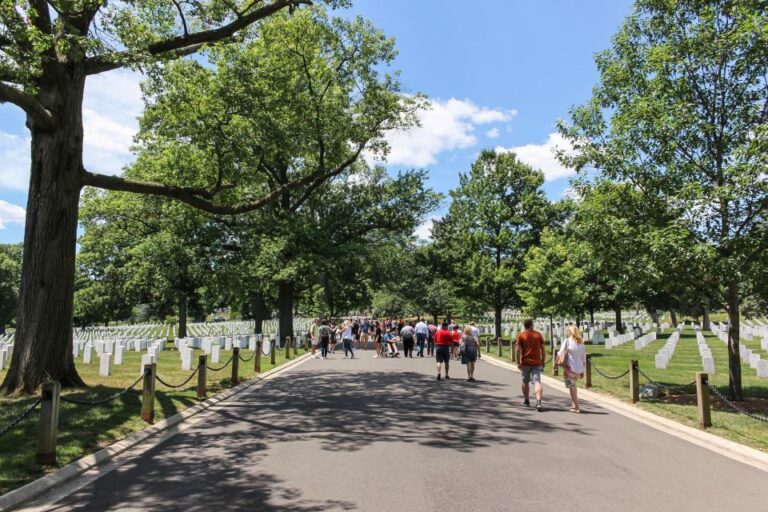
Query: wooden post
pixel 287 348
pixel 555 368
pixel 499 340
pixel 202 376
pixel 49 423
pixel 634 381
pixel 588 372
pixel 257 358
pixel 488 345
pixel 148 394
pixel 702 400
pixel 272 350
pixel 235 366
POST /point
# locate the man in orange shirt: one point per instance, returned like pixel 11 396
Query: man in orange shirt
pixel 529 348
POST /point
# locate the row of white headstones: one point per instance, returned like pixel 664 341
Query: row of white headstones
pixel 111 351
pixel 748 356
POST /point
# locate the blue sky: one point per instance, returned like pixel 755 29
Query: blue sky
pixel 499 74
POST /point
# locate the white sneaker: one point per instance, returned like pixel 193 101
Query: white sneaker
pixel 375 356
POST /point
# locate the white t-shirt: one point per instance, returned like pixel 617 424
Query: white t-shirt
pixel 577 355
pixel 347 335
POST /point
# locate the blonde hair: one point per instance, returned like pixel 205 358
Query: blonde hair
pixel 468 330
pixel 574 333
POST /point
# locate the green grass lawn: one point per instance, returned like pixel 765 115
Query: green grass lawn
pixel 682 370
pixel 84 430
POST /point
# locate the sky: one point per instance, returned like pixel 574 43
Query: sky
pixel 498 73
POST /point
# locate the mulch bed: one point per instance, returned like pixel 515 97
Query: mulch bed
pixel 753 405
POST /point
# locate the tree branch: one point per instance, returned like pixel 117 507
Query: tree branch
pixel 194 196
pixel 34 109
pixel 322 178
pixel 173 45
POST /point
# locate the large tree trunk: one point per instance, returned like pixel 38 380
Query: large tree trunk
pixel 592 316
pixel 654 315
pixel 497 320
pixel 706 326
pixel 673 317
pixel 182 316
pixel 734 361
pixel 259 311
pixel 285 306
pixel 44 330
pixel 617 311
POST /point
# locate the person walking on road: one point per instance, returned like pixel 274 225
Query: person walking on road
pixel 573 358
pixel 347 337
pixel 443 343
pixel 314 337
pixel 406 334
pixel 422 332
pixel 326 333
pixel 529 349
pixel 431 339
pixel 469 349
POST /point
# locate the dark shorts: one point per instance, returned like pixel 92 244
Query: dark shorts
pixel 443 353
pixel 469 355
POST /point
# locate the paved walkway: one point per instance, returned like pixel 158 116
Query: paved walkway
pixel 383 435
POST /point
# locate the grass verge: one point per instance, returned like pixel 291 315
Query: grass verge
pixel 682 368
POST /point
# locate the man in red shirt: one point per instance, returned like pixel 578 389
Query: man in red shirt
pixel 443 341
pixel 529 348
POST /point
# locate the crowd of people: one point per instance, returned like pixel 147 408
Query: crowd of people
pixel 451 342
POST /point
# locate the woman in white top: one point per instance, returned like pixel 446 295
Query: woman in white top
pixel 574 356
pixel 346 336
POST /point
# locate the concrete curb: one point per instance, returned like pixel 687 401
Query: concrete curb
pixel 13 499
pixel 711 442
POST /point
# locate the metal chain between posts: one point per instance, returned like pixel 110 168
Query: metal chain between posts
pixel 665 386
pixel 268 351
pixel 247 360
pixel 104 400
pixel 734 406
pixel 594 367
pixel 161 381
pixel 18 419
pixel 225 365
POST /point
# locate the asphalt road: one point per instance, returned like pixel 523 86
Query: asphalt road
pixel 383 435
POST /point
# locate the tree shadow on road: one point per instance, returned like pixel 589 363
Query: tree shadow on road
pixel 218 466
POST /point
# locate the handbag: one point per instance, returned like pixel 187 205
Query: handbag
pixel 562 358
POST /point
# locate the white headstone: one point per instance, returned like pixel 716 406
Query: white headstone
pixel 145 359
pixel 88 353
pixel 228 343
pixel 762 369
pixel 708 363
pixel 215 353
pixel 753 360
pixel 105 364
pixel 661 361
pixel 119 351
pixel 186 359
pixel 3 357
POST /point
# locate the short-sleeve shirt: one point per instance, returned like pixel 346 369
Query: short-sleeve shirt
pixel 443 337
pixel 456 335
pixel 531 345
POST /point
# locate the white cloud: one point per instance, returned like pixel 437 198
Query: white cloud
pixel 14 161
pixel 542 156
pixel 424 230
pixel 110 110
pixel 492 133
pixel 10 214
pixel 446 126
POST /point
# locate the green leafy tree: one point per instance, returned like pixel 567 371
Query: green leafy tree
pixel 47 52
pixel 496 215
pixel 10 275
pixel 552 281
pixel 679 112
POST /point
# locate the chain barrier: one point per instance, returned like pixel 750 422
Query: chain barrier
pixel 249 359
pixel 268 351
pixel 18 419
pixel 594 367
pixel 678 389
pixel 161 381
pixel 734 406
pixel 103 401
pixel 225 365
